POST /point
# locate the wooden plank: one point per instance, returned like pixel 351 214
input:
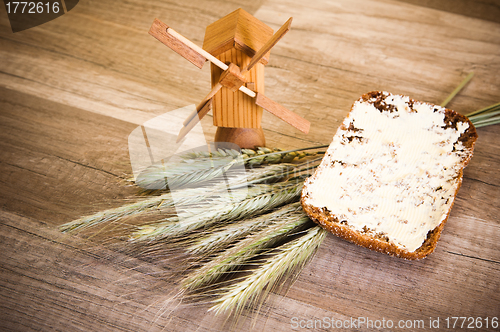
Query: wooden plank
pixel 70 95
pixel 440 285
pixel 45 279
pixel 485 10
pixel 56 162
pixel 410 55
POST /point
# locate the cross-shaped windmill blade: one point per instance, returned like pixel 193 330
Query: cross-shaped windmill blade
pixel 268 45
pixel 198 56
pixel 178 43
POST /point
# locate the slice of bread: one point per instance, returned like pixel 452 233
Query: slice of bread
pixel 391 174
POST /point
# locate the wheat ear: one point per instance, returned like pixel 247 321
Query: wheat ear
pixel 115 214
pixel 183 197
pixel 200 167
pixel 225 236
pixel 182 174
pixel 244 250
pixel 259 156
pixel 291 257
pixel 187 196
pixel 275 195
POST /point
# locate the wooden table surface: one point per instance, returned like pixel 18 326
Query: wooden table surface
pixel 73 89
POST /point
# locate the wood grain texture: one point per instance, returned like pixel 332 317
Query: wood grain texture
pixel 245 138
pixel 482 9
pixel 234 108
pixel 73 89
pixel 159 30
pixel 231 78
pixel 239 30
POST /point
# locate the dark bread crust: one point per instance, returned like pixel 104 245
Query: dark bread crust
pixel 330 222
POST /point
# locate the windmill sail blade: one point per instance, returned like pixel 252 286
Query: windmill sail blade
pixel 267 46
pixel 283 113
pixel 159 31
pixel 196 113
pixel 201 110
pixel 206 107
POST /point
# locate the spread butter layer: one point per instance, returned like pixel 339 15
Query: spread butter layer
pixel 393 172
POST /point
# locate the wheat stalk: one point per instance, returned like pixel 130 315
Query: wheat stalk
pixel 115 214
pixel 457 89
pixel 182 174
pixel 222 153
pixel 259 156
pixel 201 167
pixel 187 196
pixel 291 256
pixel 225 236
pixel 217 153
pixel 244 250
pixel 274 195
pixel 204 205
pixel 486 116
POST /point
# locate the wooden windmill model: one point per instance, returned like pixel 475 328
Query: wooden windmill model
pixel 238 47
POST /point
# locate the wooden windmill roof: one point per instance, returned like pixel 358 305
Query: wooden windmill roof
pixel 239 30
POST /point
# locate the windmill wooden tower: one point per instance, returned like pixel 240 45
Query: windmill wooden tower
pixel 238 47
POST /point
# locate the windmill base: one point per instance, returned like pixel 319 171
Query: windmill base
pixel 245 138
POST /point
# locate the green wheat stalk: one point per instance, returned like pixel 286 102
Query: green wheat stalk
pixel 195 173
pixel 290 257
pixel 244 250
pixel 115 213
pixel 201 167
pixel 486 116
pixel 274 195
pixel 188 196
pixel 457 89
pixel 182 174
pixel 227 235
pixel 259 156
pixel 203 205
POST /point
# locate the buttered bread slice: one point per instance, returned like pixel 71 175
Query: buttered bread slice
pixel 391 174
